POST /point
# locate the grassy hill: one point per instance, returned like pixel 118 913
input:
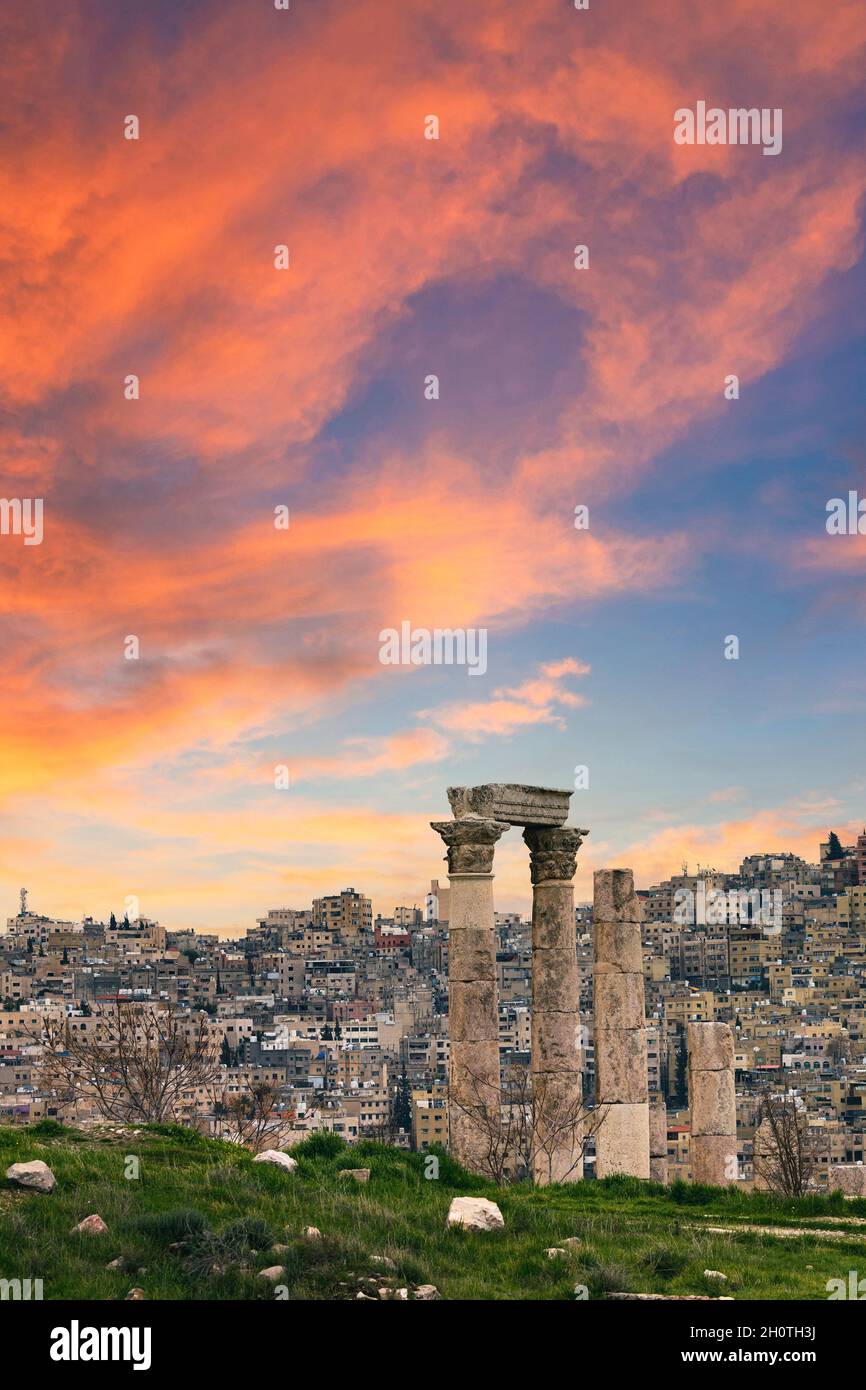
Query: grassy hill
pixel 223 1214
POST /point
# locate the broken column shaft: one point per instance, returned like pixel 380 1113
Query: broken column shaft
pixel 712 1103
pixel 622 1138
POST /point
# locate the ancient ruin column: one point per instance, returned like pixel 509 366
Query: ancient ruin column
pixel 622 1139
pixel 473 1012
pixel 658 1123
pixel 712 1103
pixel 557 1085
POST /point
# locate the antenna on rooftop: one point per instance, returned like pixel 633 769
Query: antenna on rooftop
pixel 23 896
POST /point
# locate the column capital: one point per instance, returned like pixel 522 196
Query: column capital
pixel 471 842
pixel 553 851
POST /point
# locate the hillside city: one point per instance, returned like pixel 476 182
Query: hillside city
pixel 340 1020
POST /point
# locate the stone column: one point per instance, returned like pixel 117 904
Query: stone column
pixel 658 1130
pixel 622 1139
pixel 557 1085
pixel 473 1012
pixel 712 1103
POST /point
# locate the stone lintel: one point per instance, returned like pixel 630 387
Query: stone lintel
pixel 512 802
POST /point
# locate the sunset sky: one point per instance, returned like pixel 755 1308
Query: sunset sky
pixel 154 779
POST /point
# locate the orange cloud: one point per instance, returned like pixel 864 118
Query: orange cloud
pixel 156 257
pixel 534 701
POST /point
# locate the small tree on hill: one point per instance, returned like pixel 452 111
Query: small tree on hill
pixel 785 1155
pixel 527 1135
pixel 138 1066
pixel 253 1117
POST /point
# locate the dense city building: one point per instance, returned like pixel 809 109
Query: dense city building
pixel 344 1019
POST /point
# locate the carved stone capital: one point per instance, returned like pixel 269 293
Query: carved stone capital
pixel 553 851
pixel 471 842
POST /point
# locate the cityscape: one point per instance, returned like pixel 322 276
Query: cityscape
pixel 345 1016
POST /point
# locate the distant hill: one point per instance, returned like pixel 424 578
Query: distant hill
pixel 201 1220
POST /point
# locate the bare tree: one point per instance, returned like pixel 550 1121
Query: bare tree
pixel 538 1133
pixel 253 1117
pixel 785 1152
pixel 137 1066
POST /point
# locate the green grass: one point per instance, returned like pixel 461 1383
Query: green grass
pixel 217 1208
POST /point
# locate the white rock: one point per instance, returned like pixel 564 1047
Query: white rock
pixel 273 1272
pixel 426 1293
pixel 715 1274
pixel 553 1252
pixel 359 1174
pixel 475 1214
pixel 90 1226
pixel 280 1159
pixel 35 1174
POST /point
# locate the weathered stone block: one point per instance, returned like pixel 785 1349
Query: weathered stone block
pixel 658 1130
pixel 555 983
pixel 472 1011
pixel 712 1102
pixel 614 897
pixel 659 1168
pixel 556 1041
pixel 710 1045
pixel 617 948
pixel 558 1126
pixel 471 953
pixel 622 1141
pixel 621 1065
pixel 658 1118
pixel 553 917
pixel 619 1001
pixel 474 1070
pixel 511 802
pixel 713 1158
